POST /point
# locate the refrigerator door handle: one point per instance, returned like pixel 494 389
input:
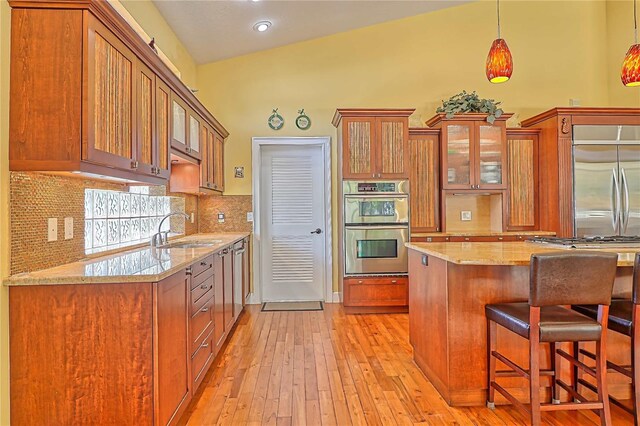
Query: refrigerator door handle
pixel 625 200
pixel 615 200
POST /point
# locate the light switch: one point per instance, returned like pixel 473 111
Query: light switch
pixel 68 228
pixel 220 217
pixel 249 216
pixel 465 215
pixel 52 229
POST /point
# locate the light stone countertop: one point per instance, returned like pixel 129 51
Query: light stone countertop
pixel 482 234
pixel 137 265
pixel 517 253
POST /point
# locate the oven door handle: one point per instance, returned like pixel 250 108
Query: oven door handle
pixel 375 227
pixel 376 196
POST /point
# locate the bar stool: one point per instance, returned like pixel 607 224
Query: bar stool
pixel 623 318
pixel 555 279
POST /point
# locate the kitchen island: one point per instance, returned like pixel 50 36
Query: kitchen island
pixel 449 286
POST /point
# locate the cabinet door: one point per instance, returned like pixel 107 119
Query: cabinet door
pixel 218 162
pixel 246 272
pixel 179 123
pixel 392 146
pixel 229 314
pixel 521 181
pixel 211 159
pixel 358 148
pixel 457 153
pixel 111 90
pixel 146 119
pixel 218 294
pixel 194 145
pixel 205 181
pixel 490 155
pixel 424 159
pixel 163 120
pixel 172 347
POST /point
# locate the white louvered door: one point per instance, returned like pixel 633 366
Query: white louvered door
pixel 293 260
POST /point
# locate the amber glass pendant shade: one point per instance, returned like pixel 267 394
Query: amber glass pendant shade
pixel 630 74
pixel 499 62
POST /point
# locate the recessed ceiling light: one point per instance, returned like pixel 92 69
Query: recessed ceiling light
pixel 262 26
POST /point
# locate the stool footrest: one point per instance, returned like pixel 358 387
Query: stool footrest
pixel 572 406
pixel 613 399
pixel 571 391
pixel 622 369
pixel 584 367
pixel 519 405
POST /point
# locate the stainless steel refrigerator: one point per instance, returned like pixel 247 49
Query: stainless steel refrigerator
pixel 606 180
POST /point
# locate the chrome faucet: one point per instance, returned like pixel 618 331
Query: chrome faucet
pixel 162 237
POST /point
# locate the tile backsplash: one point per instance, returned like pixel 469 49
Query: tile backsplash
pixel 35 197
pixel 235 208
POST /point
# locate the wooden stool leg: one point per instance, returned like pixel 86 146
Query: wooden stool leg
pixel 576 373
pixel 601 367
pixel 635 363
pixel 534 364
pixel 491 370
pixel 555 366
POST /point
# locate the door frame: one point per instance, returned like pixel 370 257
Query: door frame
pixel 257 143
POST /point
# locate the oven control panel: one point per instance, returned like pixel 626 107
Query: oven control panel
pixel 400 187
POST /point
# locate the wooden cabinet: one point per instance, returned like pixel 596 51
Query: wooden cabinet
pixel 241 272
pixel 173 347
pixel 217 170
pixel 374 143
pixel 424 177
pixel 473 151
pixel 218 308
pixel 227 268
pixel 111 91
pixel 522 180
pixel 376 293
pixel 89 96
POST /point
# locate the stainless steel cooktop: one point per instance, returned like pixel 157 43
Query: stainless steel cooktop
pixel 590 242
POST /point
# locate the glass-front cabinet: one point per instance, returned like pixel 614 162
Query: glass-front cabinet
pixel 473 151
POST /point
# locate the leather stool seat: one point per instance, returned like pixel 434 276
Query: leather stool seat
pixel 557 324
pixel 620 314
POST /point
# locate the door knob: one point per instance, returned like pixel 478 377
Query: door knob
pixel 317 231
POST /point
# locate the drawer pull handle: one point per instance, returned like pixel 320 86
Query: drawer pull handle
pixel 204 286
pixel 205 309
pixel 359 281
pixel 205 345
pixel 189 270
pixel 203 263
pixel 394 281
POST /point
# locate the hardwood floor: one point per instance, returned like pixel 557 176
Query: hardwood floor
pixel 328 368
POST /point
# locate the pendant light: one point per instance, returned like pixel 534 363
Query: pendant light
pixel 630 74
pixel 499 60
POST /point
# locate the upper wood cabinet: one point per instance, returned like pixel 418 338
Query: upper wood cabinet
pixel 424 177
pixel 89 96
pixel 218 162
pixel 473 151
pixel 522 179
pixel 374 143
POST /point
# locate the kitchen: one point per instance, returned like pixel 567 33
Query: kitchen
pixel 207 174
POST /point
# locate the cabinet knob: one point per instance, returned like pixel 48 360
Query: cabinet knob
pixel 359 281
pixel 205 344
pixel 500 238
pixel 205 309
pixel 134 164
pixel 188 149
pixel 204 286
pixel 203 263
pixel 189 270
pixel 394 281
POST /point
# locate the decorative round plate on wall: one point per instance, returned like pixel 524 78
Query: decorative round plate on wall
pixel 275 120
pixel 303 122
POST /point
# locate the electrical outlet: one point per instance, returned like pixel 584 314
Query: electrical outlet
pixel 52 229
pixel 465 215
pixel 193 217
pixel 249 216
pixel 68 228
pixel 220 217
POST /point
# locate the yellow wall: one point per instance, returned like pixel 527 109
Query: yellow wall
pixel 154 24
pixel 4 210
pixel 619 39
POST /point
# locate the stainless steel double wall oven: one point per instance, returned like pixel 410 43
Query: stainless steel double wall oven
pixel 376 218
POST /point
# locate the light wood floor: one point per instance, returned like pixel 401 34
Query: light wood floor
pixel 325 367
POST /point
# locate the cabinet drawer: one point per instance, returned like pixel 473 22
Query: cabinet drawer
pixel 201 322
pixel 202 360
pixel 378 291
pixel 201 267
pixel 430 239
pixel 488 238
pixel 204 283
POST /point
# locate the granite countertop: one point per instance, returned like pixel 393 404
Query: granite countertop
pixel 481 234
pixel 500 253
pixel 137 265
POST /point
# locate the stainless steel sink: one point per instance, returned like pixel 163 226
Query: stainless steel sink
pixel 188 245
